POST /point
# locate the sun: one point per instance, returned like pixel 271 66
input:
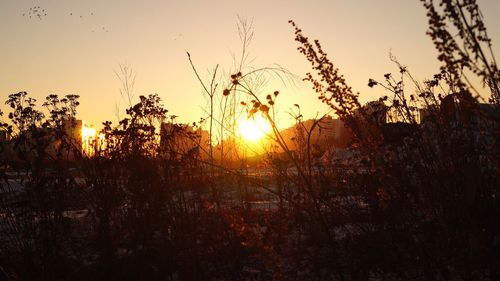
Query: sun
pixel 88 133
pixel 253 128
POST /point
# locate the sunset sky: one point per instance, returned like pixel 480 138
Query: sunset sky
pixel 78 45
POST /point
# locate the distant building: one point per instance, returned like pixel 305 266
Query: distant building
pixel 177 140
pixel 73 130
pixel 328 132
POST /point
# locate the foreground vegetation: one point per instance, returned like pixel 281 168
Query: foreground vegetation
pixel 416 200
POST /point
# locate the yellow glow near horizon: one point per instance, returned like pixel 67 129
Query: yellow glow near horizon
pixel 88 133
pixel 254 128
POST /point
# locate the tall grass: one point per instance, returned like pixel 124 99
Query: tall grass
pixel 412 199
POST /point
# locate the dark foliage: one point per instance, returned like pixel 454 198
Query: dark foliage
pixel 416 198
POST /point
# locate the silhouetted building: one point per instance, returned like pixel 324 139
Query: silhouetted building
pixel 177 140
pixel 73 131
pixel 327 132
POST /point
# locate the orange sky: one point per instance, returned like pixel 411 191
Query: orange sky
pixel 78 45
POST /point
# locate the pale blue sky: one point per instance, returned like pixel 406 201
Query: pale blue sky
pixel 64 53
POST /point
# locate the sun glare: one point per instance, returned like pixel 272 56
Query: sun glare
pixel 254 128
pixel 88 133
